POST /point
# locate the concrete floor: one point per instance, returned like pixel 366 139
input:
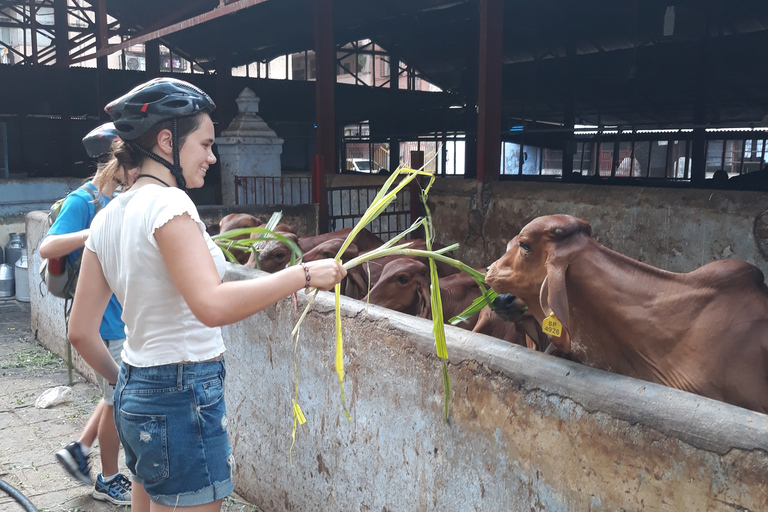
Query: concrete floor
pixel 30 437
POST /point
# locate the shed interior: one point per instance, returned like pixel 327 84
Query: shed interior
pixel 531 90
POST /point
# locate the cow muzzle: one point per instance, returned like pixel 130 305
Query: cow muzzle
pixel 509 307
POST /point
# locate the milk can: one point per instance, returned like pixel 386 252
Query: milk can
pixel 6 281
pixel 15 247
pixel 22 279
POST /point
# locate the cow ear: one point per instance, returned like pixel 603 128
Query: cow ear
pixel 425 304
pixel 357 287
pixel 533 331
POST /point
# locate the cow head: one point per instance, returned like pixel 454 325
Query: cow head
pixel 273 255
pixel 535 265
pixel 329 249
pixel 403 286
pixel 239 221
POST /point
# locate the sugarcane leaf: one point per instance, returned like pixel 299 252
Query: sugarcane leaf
pixel 227 241
pixel 477 304
pixel 273 221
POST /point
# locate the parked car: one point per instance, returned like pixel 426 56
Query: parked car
pixel 362 165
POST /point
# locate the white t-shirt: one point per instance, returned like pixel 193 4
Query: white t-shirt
pixel 159 326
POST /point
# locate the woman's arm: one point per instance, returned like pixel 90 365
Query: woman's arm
pixel 58 246
pixel 215 303
pixel 91 298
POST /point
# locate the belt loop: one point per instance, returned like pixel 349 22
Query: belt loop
pixel 179 376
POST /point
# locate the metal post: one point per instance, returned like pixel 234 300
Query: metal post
pixel 325 84
pixel 489 90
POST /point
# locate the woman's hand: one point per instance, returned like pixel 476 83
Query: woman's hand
pixel 325 274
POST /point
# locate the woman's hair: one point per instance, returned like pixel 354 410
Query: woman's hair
pixel 107 169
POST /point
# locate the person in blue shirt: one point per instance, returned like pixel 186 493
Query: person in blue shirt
pixel 66 238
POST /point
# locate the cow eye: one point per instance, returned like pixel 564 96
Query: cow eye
pixel 524 246
pixel 402 280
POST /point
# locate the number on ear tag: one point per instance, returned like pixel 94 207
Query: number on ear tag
pixel 552 326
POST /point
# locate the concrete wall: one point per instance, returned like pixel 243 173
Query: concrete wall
pixel 673 229
pixel 526 431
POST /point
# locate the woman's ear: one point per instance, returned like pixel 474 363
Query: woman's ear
pixel 165 141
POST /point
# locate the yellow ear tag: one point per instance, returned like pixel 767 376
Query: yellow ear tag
pixel 552 326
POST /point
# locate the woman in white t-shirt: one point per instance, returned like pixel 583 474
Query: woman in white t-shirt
pixel 151 249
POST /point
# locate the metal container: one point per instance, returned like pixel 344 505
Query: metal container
pixel 22 280
pixel 7 280
pixel 15 247
pixel 2 259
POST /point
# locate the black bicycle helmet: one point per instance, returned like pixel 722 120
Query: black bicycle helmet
pixel 152 102
pixel 98 142
pixel 157 100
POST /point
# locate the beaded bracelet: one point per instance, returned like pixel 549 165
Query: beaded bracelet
pixel 306 276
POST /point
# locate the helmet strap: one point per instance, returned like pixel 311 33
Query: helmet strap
pixel 176 170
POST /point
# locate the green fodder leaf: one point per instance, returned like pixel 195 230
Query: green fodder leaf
pixel 479 303
pixel 227 241
pixel 228 254
pixel 340 349
pixel 273 221
pixel 446 388
pixel 380 203
pixel 438 324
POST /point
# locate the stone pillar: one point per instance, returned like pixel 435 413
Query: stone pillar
pixel 248 148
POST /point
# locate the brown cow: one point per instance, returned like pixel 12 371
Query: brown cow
pixel 244 220
pixel 705 331
pixel 358 277
pixel 274 255
pixel 404 286
pixel 239 221
pixel 329 249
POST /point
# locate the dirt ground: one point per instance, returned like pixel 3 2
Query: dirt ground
pixel 30 437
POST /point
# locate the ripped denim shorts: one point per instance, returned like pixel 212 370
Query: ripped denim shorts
pixel 172 423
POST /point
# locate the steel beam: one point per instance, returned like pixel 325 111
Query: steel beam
pixel 61 29
pixel 177 27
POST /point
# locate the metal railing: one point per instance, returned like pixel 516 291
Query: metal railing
pixel 269 191
pixel 346 206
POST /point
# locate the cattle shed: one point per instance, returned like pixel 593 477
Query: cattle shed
pixel 525 431
pixel 647 119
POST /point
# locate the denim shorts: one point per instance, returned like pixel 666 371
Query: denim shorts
pixel 172 423
pixel 115 348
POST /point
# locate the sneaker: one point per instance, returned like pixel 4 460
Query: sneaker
pixel 118 491
pixel 75 462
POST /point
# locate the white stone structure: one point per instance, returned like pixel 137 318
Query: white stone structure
pixel 248 148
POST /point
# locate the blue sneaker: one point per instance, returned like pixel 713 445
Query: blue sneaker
pixel 76 464
pixel 117 491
